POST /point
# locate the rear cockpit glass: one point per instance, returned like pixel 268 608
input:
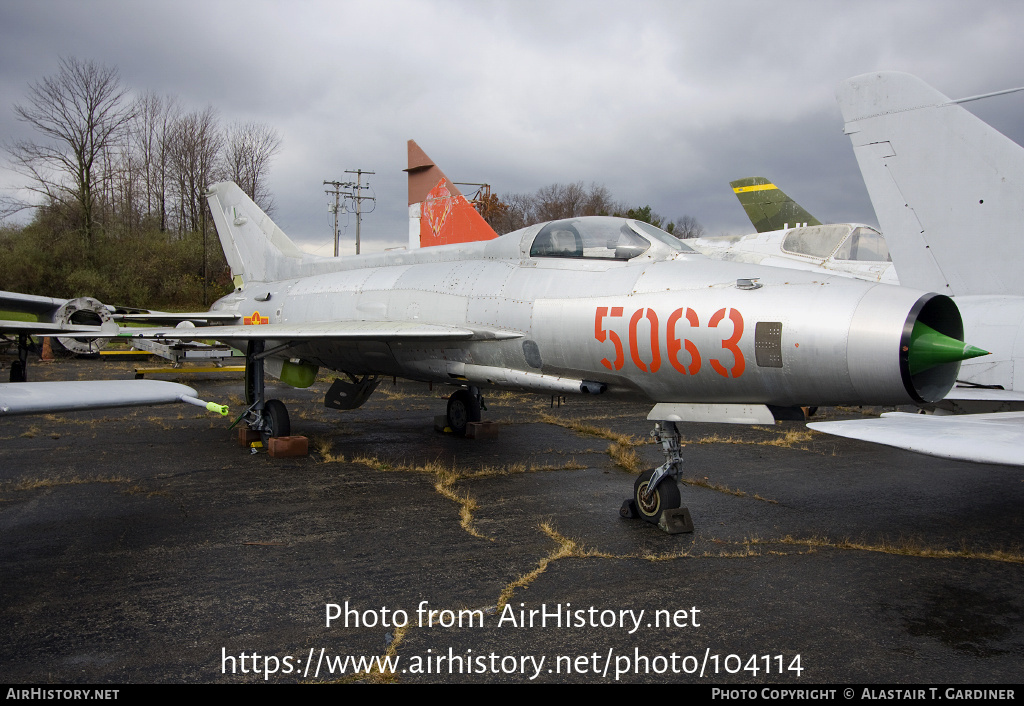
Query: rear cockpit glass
pixel 864 245
pixel 590 238
pixel 861 244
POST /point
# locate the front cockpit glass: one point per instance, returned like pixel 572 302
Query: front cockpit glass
pixel 661 236
pixel 815 241
pixel 864 245
pixel 589 238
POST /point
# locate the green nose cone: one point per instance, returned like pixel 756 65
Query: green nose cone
pixel 929 348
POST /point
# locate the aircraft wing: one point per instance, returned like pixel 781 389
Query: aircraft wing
pixel 48 329
pixel 985 438
pixel 46 397
pixel 29 303
pixel 326 330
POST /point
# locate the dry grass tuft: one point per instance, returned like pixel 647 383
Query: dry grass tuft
pixel 37 483
pixel 705 483
pixel 582 427
pixel 626 458
pixel 910 547
pixel 564 548
pixel 324 447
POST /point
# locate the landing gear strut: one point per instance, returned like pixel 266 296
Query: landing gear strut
pixel 463 408
pixel 268 417
pixel 655 493
pixel 19 368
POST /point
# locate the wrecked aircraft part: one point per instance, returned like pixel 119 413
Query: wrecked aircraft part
pixel 351 395
pixel 84 311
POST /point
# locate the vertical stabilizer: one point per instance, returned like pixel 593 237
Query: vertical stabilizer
pixel 438 212
pixel 255 248
pixel 768 208
pixel 947 188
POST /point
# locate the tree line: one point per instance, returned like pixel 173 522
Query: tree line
pixel 117 178
pixel 119 182
pixel 556 201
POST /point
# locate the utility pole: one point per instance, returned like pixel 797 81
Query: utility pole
pixel 337 204
pixel 358 198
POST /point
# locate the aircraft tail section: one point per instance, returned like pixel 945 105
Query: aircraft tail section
pixel 768 207
pixel 438 212
pixel 947 188
pixel 255 248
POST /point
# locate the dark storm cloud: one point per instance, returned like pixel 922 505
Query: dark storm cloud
pixel 663 102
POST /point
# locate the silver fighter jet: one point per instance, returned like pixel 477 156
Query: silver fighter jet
pixel 595 305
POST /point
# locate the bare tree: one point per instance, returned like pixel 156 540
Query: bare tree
pixel 82 113
pixel 686 227
pixel 248 149
pixel 196 144
pixel 151 136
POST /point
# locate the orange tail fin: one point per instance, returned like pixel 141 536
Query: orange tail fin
pixel 438 212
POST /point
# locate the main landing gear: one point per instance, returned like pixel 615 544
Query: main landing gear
pixel 655 493
pixel 19 368
pixel 268 417
pixel 464 408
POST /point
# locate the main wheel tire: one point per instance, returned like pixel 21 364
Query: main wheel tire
pixel 463 408
pixel 666 496
pixel 276 417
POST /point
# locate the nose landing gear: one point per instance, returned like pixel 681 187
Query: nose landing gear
pixel 655 493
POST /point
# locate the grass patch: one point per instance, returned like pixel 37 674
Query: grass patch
pixel 582 427
pixel 705 483
pixel 446 479
pixel 906 547
pixel 37 483
pixel 626 458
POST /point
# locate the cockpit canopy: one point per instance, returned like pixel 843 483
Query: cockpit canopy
pixel 601 238
pixel 842 241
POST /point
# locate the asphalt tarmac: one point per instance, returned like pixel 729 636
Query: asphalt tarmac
pixel 144 545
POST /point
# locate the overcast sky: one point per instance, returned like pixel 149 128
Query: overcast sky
pixel 662 102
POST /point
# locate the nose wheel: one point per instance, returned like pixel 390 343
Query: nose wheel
pixel 664 497
pixel 656 496
pixel 275 420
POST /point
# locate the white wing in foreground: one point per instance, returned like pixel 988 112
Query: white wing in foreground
pixel 985 438
pixel 45 397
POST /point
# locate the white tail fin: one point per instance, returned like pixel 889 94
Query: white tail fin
pixel 947 188
pixel 256 249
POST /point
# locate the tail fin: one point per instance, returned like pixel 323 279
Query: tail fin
pixel 767 207
pixel 438 212
pixel 255 248
pixel 948 189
